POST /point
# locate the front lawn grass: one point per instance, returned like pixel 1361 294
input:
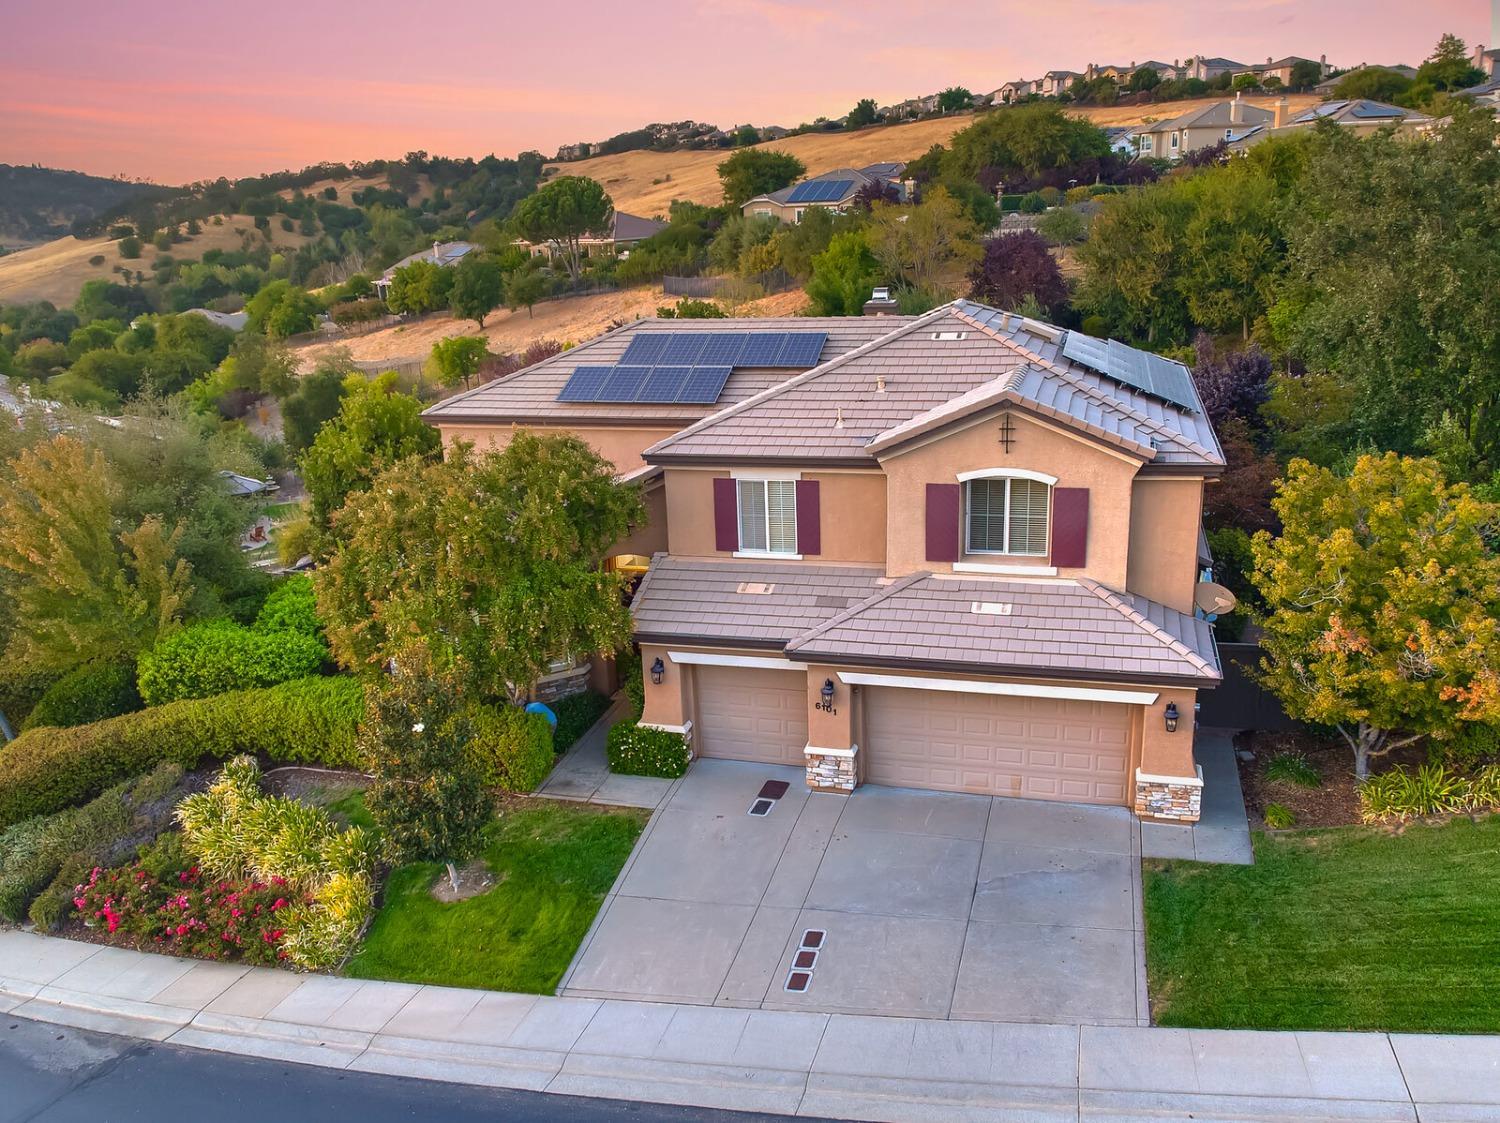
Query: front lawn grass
pixel 553 864
pixel 1352 928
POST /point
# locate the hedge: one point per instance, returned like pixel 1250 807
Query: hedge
pixel 510 749
pixel 308 721
pixel 576 715
pixel 637 750
pixel 90 693
pixel 291 607
pixel 220 655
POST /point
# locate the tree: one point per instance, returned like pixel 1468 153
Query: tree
pixel 105 300
pixel 560 213
pixel 1377 83
pixel 864 113
pixel 118 373
pixel 422 286
pixel 843 276
pixel 1023 138
pixel 954 98
pixel 1232 385
pixel 745 135
pixel 457 358
pixel 83 586
pixel 315 400
pixel 281 309
pixel 1305 74
pixel 1015 266
pixel 1143 79
pixel 1382 603
pixel 754 171
pixel 427 801
pixel 523 288
pixel 130 247
pixel 376 426
pixel 497 558
pixel 1232 247
pixel 1063 226
pixel 478 288
pixel 927 247
pixel 1245 81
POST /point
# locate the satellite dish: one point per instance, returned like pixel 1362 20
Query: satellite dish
pixel 1212 599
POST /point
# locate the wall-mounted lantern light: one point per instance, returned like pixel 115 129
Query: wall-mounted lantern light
pixel 658 669
pixel 1170 716
pixel 827 692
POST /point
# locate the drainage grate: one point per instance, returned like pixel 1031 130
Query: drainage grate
pixel 805 960
pixel 762 807
pixel 813 938
pixel 797 981
pixel 773 789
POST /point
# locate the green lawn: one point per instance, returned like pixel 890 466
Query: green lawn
pixel 1353 928
pixel 553 862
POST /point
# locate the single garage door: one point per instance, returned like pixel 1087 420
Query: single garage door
pixel 1041 748
pixel 748 714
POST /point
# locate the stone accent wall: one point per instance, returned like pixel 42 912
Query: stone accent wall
pixel 831 770
pixel 1175 799
pixel 575 680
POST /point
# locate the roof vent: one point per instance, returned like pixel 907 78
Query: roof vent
pixel 880 384
pixel 950 335
pixel 838 417
pixel 990 608
pixel 754 588
pixel 1046 331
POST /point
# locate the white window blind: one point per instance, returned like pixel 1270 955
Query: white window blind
pixel 768 515
pixel 1007 516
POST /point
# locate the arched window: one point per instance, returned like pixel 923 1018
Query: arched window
pixel 1006 511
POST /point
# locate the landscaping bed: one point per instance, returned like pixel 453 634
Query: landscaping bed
pixel 553 862
pixel 1334 802
pixel 1358 928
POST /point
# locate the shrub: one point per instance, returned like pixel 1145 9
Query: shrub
pixel 89 693
pixel 1400 794
pixel 1293 768
pixel 1063 227
pixel 220 655
pixel 1279 817
pixel 97 260
pixel 20 691
pixel 309 721
pixel 130 247
pixel 508 747
pixel 1051 196
pixel 1484 789
pixel 291 607
pixel 633 684
pixel 350 312
pixel 576 714
pixel 1472 743
pixel 1033 203
pixel 636 750
pixel 295 541
pixel 1078 194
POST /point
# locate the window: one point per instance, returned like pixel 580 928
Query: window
pixel 797 215
pixel 1007 516
pixel 768 516
pixel 1175 139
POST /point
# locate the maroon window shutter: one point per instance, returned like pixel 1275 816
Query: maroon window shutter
pixel 1070 526
pixel 944 502
pixel 726 515
pixel 809 518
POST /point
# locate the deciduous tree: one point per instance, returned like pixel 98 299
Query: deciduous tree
pixel 754 171
pixel 842 276
pixel 561 213
pixel 1015 266
pixel 478 288
pixel 457 358
pixel 929 246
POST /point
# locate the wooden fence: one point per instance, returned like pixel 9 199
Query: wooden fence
pixel 1239 702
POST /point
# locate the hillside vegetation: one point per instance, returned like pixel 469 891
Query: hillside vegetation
pixel 646 182
pixel 41 203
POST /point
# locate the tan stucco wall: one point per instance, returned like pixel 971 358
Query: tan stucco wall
pixel 852 510
pixel 650 537
pixel 830 729
pixel 1075 462
pixel 1164 518
pixel 1159 753
pixel 619 444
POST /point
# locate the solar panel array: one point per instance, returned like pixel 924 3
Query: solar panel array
pixel 791 349
pixel 1151 374
pixel 635 382
pixel 820 191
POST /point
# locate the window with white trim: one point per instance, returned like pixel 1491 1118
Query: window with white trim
pixel 1006 516
pixel 768 515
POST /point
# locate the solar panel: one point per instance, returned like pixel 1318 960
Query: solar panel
pixel 646 347
pixel 663 384
pixel 704 385
pixel 623 384
pixel 1148 373
pixel 801 349
pixel 684 348
pixel 723 348
pixel 584 384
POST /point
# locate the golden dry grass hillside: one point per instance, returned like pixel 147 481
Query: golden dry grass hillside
pixel 57 270
pixel 346 188
pixel 646 183
pixel 571 319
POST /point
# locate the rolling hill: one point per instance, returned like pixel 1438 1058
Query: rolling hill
pixel 37 204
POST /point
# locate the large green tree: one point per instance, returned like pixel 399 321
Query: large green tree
pixel 478 287
pixel 1382 604
pixel 842 276
pixel 928 247
pixel 457 358
pixel 496 558
pixel 1023 138
pixel 757 171
pixel 422 286
pixel 560 213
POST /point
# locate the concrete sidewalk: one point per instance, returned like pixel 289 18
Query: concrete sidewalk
pixel 844 1066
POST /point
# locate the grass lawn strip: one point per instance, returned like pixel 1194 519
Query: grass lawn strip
pixel 553 864
pixel 1349 929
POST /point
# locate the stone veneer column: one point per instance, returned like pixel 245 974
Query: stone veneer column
pixel 831 755
pixel 1177 799
pixel 1168 783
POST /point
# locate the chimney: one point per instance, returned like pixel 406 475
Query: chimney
pixel 1268 60
pixel 1281 113
pixel 880 303
pixel 1237 108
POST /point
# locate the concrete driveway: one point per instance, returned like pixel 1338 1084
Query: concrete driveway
pixel 934 905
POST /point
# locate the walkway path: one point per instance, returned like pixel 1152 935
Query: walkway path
pixel 1223 833
pixel 843 1066
pixel 583 773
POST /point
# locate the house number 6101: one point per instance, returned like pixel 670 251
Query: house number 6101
pixel 826 707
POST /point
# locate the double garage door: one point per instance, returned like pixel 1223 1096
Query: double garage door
pixel 1039 748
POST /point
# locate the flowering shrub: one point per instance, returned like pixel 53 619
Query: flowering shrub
pixel 637 750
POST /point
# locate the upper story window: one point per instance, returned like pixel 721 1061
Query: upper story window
pixel 768 516
pixel 1005 515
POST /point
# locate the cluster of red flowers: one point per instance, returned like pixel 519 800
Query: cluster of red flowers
pixel 186 914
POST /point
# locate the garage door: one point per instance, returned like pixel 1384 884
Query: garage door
pixel 1041 748
pixel 746 714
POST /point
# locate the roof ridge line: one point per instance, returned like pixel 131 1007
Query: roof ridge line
pixel 1111 598
pixel 855 609
pixel 806 376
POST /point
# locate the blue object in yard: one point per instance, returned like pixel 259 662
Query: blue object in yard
pixel 545 711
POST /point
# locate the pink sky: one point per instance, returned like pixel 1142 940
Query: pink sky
pixel 173 91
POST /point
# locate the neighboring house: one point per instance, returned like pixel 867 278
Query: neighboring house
pixel 1207 69
pixel 1486 93
pixel 1329 84
pixel 1019 90
pixel 1121 72
pixel 1122 139
pixel 446 254
pixel 1175 137
pixel 1281 69
pixel 831 191
pixel 1487 60
pixel 961 556
pixel 1358 114
pixel 1056 82
pixel 625 231
pixel 234 321
pixel 246 487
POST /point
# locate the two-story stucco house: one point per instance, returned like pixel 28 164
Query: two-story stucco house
pixel 957 551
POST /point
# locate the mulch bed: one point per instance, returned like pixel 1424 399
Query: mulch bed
pixel 318 786
pixel 1334 803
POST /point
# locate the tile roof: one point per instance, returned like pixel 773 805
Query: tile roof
pixel 856 177
pixel 1016 626
pixel 699 599
pixel 530 395
pixel 1219 115
pixel 925 372
pixel 1359 111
